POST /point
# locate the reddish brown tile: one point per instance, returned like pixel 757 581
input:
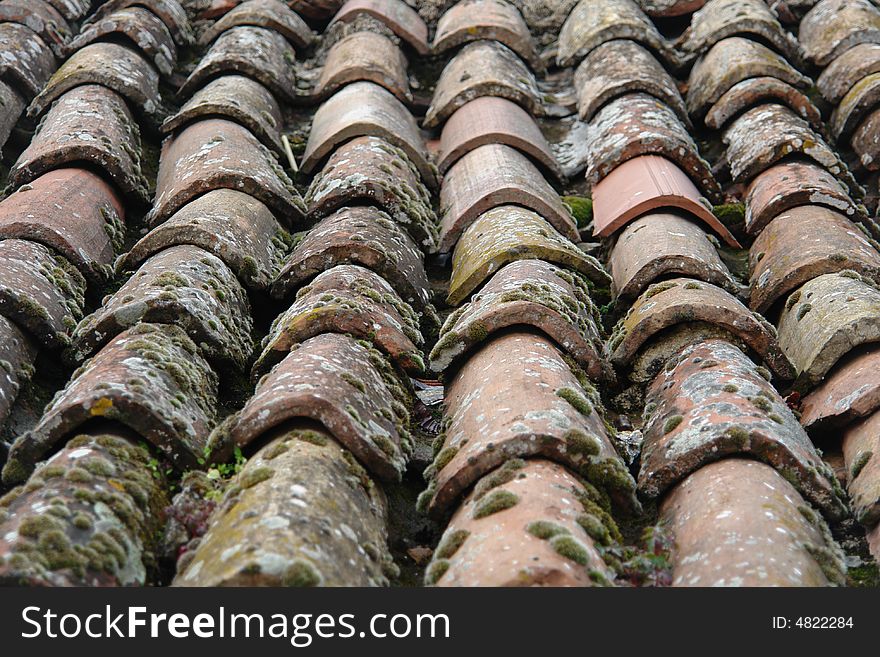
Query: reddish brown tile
pixel 71 9
pixel 42 18
pixel 861 450
pixel 271 14
pixel 712 402
pixel 833 26
pixel 756 91
pixel 740 523
pixel 18 353
pixel 845 70
pixel 400 18
pixel 666 8
pixel 365 56
pixel 352 300
pixel 508 233
pixel 803 243
pixel 517 398
pixel 646 183
pixel 531 530
pixel 14 105
pixel 865 141
pixel 855 106
pixel 850 391
pixel 169 11
pixel 317 9
pixel 150 378
pixel 218 154
pixel 28 62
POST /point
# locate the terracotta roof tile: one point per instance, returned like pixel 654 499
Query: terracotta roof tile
pixel 849 391
pixel 866 141
pixel 169 11
pixel 19 351
pixel 861 449
pixel 271 14
pixel 365 56
pixel 847 69
pixel 396 14
pixel 71 9
pixel 28 62
pixel 39 16
pixel 833 26
pixel 756 91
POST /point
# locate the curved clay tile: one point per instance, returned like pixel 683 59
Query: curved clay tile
pixel 833 26
pixel 665 8
pixel 593 22
pixel 19 351
pixel 87 124
pixel 731 61
pixel 855 106
pixel 850 391
pixel 182 285
pixel 317 9
pixel 365 56
pixel 217 154
pixel 639 124
pixel 116 67
pixel 757 91
pixel 802 243
pixel 824 320
pixel 364 236
pixel 139 26
pixel 271 14
pixel 790 184
pixel 13 104
pixel 536 528
pixel 619 67
pixel 232 225
pixel 89 241
pixel 400 18
pixel 740 523
pixel 348 388
pixel 283 500
pixel 494 120
pixel 494 175
pixel 370 171
pixel 646 183
pixel 352 300
pixel 473 20
pixel 169 11
pixel 661 244
pixel 509 233
pixel 517 398
pixel 712 402
pixel 255 52
pixel 72 10
pixel 27 63
pixel 842 74
pixel 364 108
pixel 861 452
pixel 150 378
pixel 680 300
pixel 42 18
pixel 237 98
pixel 483 68
pixel 531 293
pixel 865 141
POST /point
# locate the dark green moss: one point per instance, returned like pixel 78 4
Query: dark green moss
pixel 301 574
pixel 581 209
pixel 570 548
pixel 497 500
pixel 545 529
pixel 576 399
pixel 450 544
pixel 672 423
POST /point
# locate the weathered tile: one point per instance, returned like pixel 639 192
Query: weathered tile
pixel 364 108
pixel 861 451
pixel 138 26
pixel 865 141
pixel 493 120
pixel 765 134
pixel 803 243
pixel 218 154
pixel 530 293
pixel 713 402
pixel 647 183
pixel 787 185
pixel 150 378
pixel 855 106
pixel 169 11
pixel 182 285
pixel 833 26
pixel 13 105
pixel 400 18
pixel 537 528
pixel 232 225
pixel 494 175
pixel 237 98
pixel 518 398
pixel 365 56
pixel 254 52
pixel 593 22
pixel 41 17
pixel 757 91
pixel 472 20
pixel 847 69
pixel 349 388
pixel 850 391
pixel 27 61
pixel 91 516
pixel 825 319
pixel 731 61
pixel 271 14
pixel 40 291
pixel 111 65
pixel 740 523
pixel 660 244
pixel 364 236
pixel 638 124
pixel 619 67
pixel 483 68
pixel 680 300
pixel 370 170
pixel 666 8
pixel 720 19
pixel 278 523
pixel 352 300
pixel 17 355
pixel 89 124
pixel 72 211
pixel 316 9
pixel 508 233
